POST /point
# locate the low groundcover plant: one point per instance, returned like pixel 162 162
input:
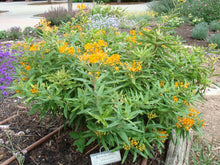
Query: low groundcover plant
pixel 124 90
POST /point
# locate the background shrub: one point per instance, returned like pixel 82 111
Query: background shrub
pixel 206 9
pixel 200 31
pixel 3 34
pixel 163 6
pixel 14 33
pixel 29 31
pixel 58 15
pixel 215 39
pixel 107 10
pixel 214 25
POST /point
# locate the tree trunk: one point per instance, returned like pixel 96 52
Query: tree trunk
pixel 70 7
pixel 118 1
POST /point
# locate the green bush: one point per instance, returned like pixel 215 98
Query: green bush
pixel 163 6
pixel 200 31
pixel 215 39
pixel 214 25
pixel 204 9
pixel 104 10
pixel 126 91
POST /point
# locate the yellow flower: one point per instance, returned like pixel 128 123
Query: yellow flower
pixel 151 115
pixel 163 46
pixel 116 68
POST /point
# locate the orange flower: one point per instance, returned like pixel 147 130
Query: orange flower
pixel 175 98
pixel 161 83
pixel 71 50
pixel 146 29
pixel 176 84
pixel 28 68
pixel 22 63
pixel 132 32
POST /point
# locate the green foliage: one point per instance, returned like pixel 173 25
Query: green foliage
pixel 200 31
pixel 3 34
pixel 175 22
pixel 124 91
pixel 214 25
pixel 204 9
pixel 215 39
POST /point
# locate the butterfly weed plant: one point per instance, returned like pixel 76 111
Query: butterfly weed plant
pixel 124 90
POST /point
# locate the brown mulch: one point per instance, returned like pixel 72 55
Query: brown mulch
pixel 185 31
pixel 58 150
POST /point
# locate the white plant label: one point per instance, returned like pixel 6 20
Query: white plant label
pixel 105 157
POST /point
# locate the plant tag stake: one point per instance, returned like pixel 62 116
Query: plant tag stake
pixel 105 157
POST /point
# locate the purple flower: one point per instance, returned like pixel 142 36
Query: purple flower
pixel 3 87
pixel 5 93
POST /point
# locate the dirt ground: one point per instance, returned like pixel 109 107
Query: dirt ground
pixel 58 150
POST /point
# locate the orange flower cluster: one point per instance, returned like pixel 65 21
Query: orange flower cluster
pixel 33 47
pixel 177 84
pixel 28 68
pixel 175 99
pixel 34 89
pixel 134 143
pixel 134 67
pixel 132 32
pixel 193 112
pixel 185 122
pixel 163 136
pixel 65 49
pixel 132 39
pixel 190 120
pixel 94 54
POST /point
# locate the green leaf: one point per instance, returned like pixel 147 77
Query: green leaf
pixel 80 143
pixel 74 135
pixel 125 156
